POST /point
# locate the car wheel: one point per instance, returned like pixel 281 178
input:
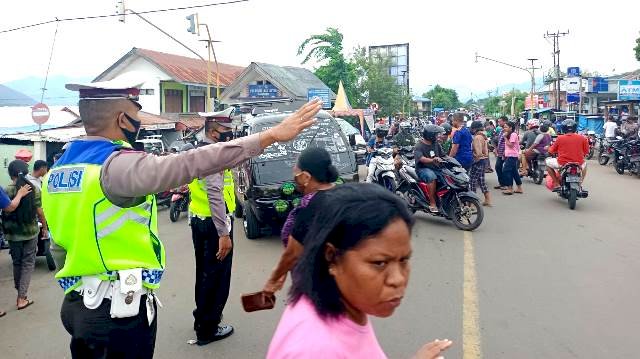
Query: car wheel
pixel 251 224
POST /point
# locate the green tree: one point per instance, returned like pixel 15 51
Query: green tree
pixel 492 104
pixel 637 49
pixel 443 97
pixel 375 84
pixel 326 49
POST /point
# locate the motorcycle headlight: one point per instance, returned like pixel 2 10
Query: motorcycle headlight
pixel 288 188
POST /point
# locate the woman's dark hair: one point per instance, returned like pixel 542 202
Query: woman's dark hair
pixel 511 125
pixel 317 162
pixel 344 217
pixel 26 211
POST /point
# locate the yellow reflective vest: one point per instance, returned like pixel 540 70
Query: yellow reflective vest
pixel 199 204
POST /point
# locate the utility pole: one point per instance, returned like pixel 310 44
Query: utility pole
pixel 533 69
pixel 556 63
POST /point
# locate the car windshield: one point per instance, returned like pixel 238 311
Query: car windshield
pixel 275 164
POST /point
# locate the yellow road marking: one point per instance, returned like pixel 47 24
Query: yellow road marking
pixel 470 315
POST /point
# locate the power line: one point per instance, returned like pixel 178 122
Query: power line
pixel 94 17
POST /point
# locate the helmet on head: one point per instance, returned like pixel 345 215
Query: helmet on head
pixel 569 125
pixel 533 123
pixel 382 130
pixel 405 125
pixel 548 123
pixel 476 125
pixel 431 132
pixel 544 128
pixel 447 128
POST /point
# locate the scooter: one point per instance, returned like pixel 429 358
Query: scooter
pixel 629 157
pixel 384 172
pixel 537 168
pixel 454 200
pixel 570 184
pixel 179 202
pixel 163 198
pixel 591 136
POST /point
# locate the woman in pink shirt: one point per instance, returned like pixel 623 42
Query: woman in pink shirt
pixel 355 264
pixel 511 153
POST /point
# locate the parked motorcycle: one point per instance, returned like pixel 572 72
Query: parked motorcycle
pixel 453 198
pixel 179 202
pixel 570 184
pixel 628 157
pixel 163 198
pixel 605 149
pixel 384 172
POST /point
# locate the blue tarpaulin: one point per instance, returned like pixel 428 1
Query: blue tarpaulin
pixel 591 123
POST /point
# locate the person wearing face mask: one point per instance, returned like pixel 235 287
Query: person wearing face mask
pixel 99 204
pixel 212 202
pixel 312 173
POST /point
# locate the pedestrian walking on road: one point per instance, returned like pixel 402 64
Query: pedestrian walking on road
pixel 313 172
pixel 21 230
pixel 499 152
pixel 213 202
pixel 355 265
pixel 8 205
pixel 511 153
pixel 480 161
pixel 99 200
pixel 461 142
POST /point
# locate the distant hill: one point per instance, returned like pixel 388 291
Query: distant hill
pixel 56 94
pixel 11 97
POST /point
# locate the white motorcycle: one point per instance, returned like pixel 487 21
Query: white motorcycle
pixel 384 172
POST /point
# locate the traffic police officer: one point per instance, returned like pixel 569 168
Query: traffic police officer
pixel 98 199
pixel 212 203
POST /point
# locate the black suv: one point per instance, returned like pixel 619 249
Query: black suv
pixel 265 191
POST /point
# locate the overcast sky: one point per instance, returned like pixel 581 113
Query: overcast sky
pixel 443 35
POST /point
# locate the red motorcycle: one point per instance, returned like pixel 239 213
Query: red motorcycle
pixel 179 202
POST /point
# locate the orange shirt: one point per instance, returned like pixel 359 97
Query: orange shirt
pixel 571 147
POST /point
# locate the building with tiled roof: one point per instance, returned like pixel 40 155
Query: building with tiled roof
pixel 177 84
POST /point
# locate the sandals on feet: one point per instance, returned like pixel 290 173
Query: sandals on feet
pixel 29 302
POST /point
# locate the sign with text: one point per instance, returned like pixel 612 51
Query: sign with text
pixel 573 72
pixel 598 84
pixel 573 84
pixel 263 91
pixel 629 90
pixel 573 97
pixel 323 94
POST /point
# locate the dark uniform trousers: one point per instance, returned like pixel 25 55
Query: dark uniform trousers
pixel 94 334
pixel 213 277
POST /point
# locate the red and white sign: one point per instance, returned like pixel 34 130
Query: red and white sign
pixel 40 113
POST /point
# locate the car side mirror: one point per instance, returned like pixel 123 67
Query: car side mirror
pixel 242 131
pixel 352 140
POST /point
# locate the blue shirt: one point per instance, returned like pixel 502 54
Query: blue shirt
pixel 373 143
pixel 463 139
pixel 4 199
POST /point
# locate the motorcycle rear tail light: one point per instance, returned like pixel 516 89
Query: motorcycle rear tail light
pixel 573 170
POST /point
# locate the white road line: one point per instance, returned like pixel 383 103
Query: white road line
pixel 471 348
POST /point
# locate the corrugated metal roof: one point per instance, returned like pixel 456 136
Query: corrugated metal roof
pixel 297 80
pixel 190 70
pixel 59 134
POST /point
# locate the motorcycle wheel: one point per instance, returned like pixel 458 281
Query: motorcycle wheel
pixel 620 167
pixel 400 192
pixel 603 160
pixel 389 183
pixel 590 154
pixel 462 216
pixel 251 225
pixel 539 176
pixel 573 198
pixel 174 211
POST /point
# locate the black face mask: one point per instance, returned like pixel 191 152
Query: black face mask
pixel 131 135
pixel 225 136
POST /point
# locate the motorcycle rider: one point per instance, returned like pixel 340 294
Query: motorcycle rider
pixel 428 156
pixel 446 141
pixel 404 137
pixel 570 148
pixel 629 128
pixel 374 143
pixel 539 146
pixel 528 139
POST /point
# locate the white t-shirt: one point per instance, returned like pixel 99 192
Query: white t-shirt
pixel 610 129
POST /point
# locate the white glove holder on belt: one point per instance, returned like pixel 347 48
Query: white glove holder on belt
pixel 127 291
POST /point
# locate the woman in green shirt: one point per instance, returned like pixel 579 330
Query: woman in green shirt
pixel 21 230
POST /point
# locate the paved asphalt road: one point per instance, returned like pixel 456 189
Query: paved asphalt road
pixel 536 280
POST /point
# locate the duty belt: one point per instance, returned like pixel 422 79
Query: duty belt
pixel 150 277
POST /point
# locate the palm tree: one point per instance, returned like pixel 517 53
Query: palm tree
pixel 327 46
